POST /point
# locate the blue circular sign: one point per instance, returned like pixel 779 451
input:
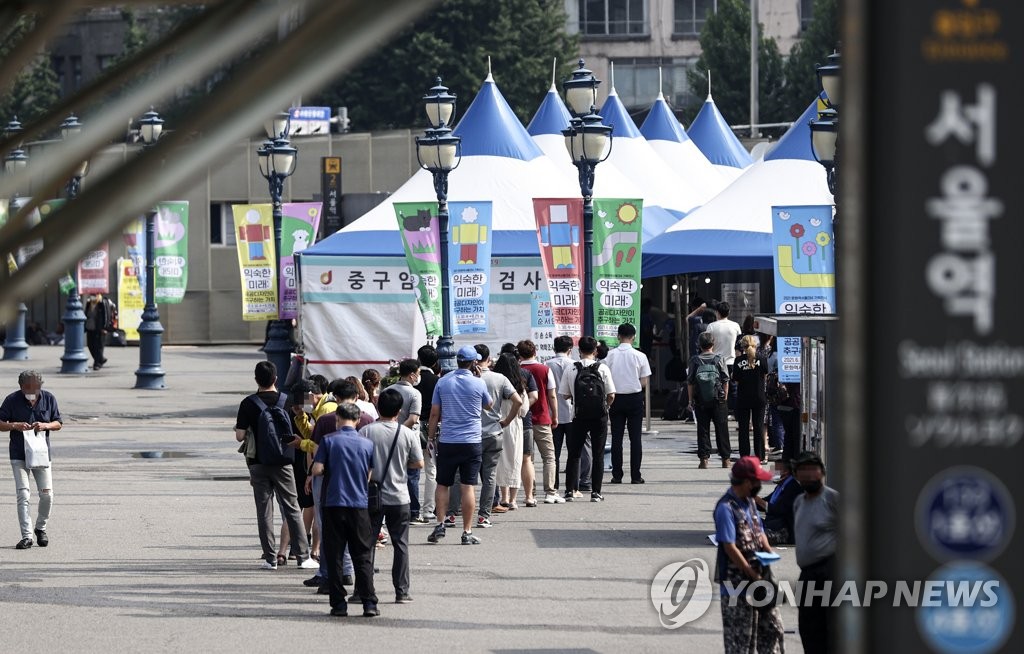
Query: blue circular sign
pixel 965 608
pixel 965 513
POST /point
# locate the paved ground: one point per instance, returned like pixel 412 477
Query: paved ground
pixel 160 554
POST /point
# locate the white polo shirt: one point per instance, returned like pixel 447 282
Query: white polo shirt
pixel 628 365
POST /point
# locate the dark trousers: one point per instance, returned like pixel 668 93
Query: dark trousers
pixel 560 434
pixel 715 413
pixel 397 519
pixel 791 427
pixel 597 430
pixel 348 526
pixel 816 621
pixel 94 340
pixel 744 416
pixel 413 482
pixel 627 413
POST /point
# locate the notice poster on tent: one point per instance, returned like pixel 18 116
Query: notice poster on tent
pixel 559 232
pixel 299 224
pixel 170 254
pixel 469 264
pixel 254 236
pixel 542 324
pixel 93 272
pixel 805 279
pixel 130 299
pixel 418 224
pixel 617 237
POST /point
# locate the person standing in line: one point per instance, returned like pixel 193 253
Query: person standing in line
pixel 97 317
pixel 510 465
pixel 559 364
pixel 750 372
pixel 31 410
pixel 725 332
pixel 528 472
pixel 544 415
pixel 630 370
pixel 409 416
pixel 428 374
pixel 707 382
pixel 816 534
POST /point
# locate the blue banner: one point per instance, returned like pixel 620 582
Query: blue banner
pixel 469 264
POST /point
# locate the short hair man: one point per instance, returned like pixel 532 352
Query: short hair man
pixel 631 370
pixel 409 416
pixel 815 530
pixel 725 332
pixel 31 411
pixel 543 415
pixel 708 410
pixel 559 364
pixel 428 376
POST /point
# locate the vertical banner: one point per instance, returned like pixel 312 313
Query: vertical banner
pixel 36 216
pixel 542 324
pixel 130 299
pixel 254 235
pixel 616 261
pixel 12 265
pixel 170 255
pixel 418 224
pixel 559 234
pixel 469 264
pixel 94 272
pixel 134 236
pixel 299 224
pixel 330 190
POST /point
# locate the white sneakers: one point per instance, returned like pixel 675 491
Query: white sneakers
pixel 268 565
pixel 309 564
pixel 554 499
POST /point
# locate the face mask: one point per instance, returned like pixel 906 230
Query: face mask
pixel 755 490
pixel 308 408
pixel 811 486
pixel 31 397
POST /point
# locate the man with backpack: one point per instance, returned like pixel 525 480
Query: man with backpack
pixel 265 431
pixel 707 380
pixel 589 387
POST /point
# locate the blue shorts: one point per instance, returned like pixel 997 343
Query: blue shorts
pixel 463 458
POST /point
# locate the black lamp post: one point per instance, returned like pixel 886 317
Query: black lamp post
pixel 74 360
pixel 150 374
pixel 588 141
pixel 277 158
pixel 825 129
pixel 15 345
pixel 440 152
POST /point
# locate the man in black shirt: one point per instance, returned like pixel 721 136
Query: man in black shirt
pixel 427 356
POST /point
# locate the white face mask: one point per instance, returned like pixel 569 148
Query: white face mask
pixel 31 397
pixel 308 408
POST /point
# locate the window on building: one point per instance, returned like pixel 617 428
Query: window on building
pixel 76 72
pixel 806 13
pixel 105 61
pixel 690 16
pixel 636 81
pixel 58 67
pixel 222 223
pixel 613 17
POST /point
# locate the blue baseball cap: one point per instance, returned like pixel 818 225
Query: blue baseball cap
pixel 468 353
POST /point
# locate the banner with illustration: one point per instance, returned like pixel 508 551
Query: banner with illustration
pixel 94 271
pixel 418 224
pixel 616 261
pixel 559 234
pixel 299 224
pixel 12 265
pixel 170 255
pixel 130 299
pixel 469 265
pixel 542 324
pixel 254 237
pixel 805 278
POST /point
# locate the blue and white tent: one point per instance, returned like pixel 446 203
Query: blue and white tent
pixel 715 139
pixel 734 230
pixel 348 328
pixel 670 141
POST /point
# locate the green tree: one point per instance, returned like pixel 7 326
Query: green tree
pixel 34 91
pixel 725 45
pixel 817 42
pixel 453 41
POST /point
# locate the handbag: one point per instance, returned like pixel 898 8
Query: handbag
pixel 248 446
pixel 374 490
pixel 37 454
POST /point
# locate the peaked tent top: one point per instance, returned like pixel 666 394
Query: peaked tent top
pixel 715 139
pixel 551 117
pixel 662 125
pixel 614 113
pixel 489 127
pixel 796 142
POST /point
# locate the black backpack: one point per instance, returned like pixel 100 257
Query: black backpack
pixel 589 394
pixel 273 430
pixel 708 387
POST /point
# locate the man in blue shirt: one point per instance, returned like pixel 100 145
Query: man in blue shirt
pixel 345 460
pixel 778 508
pixel 460 398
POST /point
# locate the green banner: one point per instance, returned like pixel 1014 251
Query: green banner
pixel 617 238
pixel 418 223
pixel 171 251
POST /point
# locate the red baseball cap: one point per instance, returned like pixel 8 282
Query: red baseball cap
pixel 749 467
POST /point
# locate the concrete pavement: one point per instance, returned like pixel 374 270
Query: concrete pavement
pixel 161 554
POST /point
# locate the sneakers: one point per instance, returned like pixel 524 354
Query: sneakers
pixel 553 499
pixel 340 611
pixel 449 520
pixel 26 543
pixel 726 463
pixel 428 517
pixel 638 480
pixel 370 611
pixel 403 599
pixel 315 580
pixel 568 496
pixel 596 497
pixel 483 522
pixel 309 564
pixel 41 538
pixel 703 465
pixel 437 534
pixel 576 494
pixel 469 539
pixel 420 520
pixel 266 565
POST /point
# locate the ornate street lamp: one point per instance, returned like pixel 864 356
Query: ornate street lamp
pixel 440 152
pixel 74 360
pixel 277 159
pixel 150 374
pixel 15 345
pixel 589 142
pixel 825 128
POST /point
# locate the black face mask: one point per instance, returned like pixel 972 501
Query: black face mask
pixel 755 490
pixel 811 486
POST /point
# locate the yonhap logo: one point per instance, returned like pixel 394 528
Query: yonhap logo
pixel 681 592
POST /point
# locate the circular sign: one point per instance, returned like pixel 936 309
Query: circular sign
pixel 965 513
pixel 966 608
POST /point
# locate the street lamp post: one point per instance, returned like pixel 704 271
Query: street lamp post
pixel 74 360
pixel 277 158
pixel 15 345
pixel 825 128
pixel 588 141
pixel 150 374
pixel 439 152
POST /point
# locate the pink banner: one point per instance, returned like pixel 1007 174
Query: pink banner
pixel 94 272
pixel 299 224
pixel 560 234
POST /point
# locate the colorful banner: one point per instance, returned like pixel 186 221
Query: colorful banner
pixel 12 265
pixel 94 272
pixel 559 233
pixel 299 224
pixel 130 299
pixel 254 235
pixel 418 224
pixel 170 253
pixel 469 263
pixel 542 324
pixel 616 261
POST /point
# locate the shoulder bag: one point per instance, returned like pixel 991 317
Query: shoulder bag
pixel 374 490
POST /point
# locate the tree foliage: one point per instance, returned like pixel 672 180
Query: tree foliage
pixel 453 41
pixel 816 43
pixel 34 91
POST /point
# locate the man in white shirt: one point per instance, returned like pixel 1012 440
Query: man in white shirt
pixel 559 365
pixel 630 372
pixel 725 332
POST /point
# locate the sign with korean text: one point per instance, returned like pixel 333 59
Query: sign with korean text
pixel 418 224
pixel 542 324
pixel 299 224
pixel 12 265
pixel 469 259
pixel 254 236
pixel 330 191
pixel 93 271
pixel 130 299
pixel 170 256
pixel 616 260
pixel 559 234
pixel 309 121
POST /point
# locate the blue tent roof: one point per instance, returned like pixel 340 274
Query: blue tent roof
pixel 614 113
pixel 488 115
pixel 714 138
pixel 551 117
pixel 796 142
pixel 661 124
